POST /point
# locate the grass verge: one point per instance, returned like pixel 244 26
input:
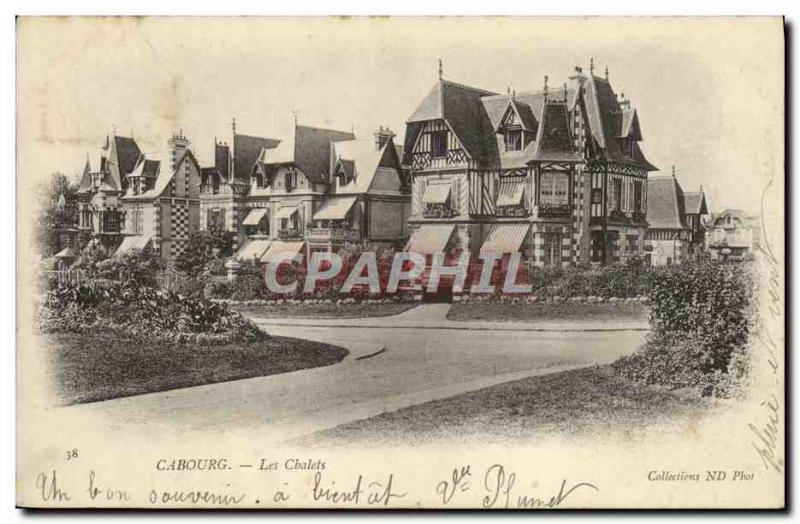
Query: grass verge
pixel 324 310
pixel 578 402
pixel 510 312
pixel 101 366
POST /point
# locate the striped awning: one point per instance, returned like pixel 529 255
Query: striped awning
pixel 430 239
pixel 510 193
pixel 505 238
pixel 286 212
pixel 253 249
pixel 280 246
pixel 436 193
pixel 254 216
pixel 132 242
pixel 335 208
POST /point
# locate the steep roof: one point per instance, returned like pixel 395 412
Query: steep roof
pixel 361 159
pixel 222 154
pixel 607 123
pixel 122 159
pixel 696 203
pixel 666 207
pixel 309 149
pixel 246 150
pixel 461 107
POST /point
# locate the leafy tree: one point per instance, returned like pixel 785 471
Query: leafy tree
pixel 204 247
pixel 55 213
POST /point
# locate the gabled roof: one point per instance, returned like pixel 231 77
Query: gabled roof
pixel 461 107
pixel 696 203
pixel 630 125
pixel 246 150
pixel 554 141
pixel 165 176
pixel 606 119
pixel 122 159
pixel 361 159
pixel 523 113
pixel 476 116
pixel 666 208
pixel 309 149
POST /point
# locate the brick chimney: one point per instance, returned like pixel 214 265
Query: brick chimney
pixel 382 136
pixel 178 145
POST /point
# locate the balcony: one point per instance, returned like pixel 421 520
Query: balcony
pixel 554 210
pixel 438 211
pixel 289 234
pixel 209 189
pixel 511 211
pixel 327 234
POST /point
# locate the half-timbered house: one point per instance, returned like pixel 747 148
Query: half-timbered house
pixel 319 189
pixel 557 174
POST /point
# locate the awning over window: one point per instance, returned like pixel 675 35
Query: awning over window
pixel 510 193
pixel 430 238
pixel 254 217
pixel 505 238
pixel 132 242
pixel 436 193
pixel 335 208
pixel 286 212
pixel 280 246
pixel 253 249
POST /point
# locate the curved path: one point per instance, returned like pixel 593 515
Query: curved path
pixel 395 362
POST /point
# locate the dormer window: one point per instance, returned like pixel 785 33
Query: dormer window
pixel 513 139
pixel 290 179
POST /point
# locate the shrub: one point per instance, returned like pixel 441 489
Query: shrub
pixel 142 312
pixel 219 288
pixel 205 248
pixel 700 320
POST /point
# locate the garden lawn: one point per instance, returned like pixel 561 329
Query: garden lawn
pixel 101 366
pixel 516 312
pixel 572 403
pixel 324 310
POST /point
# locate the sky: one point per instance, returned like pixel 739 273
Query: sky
pixel 709 92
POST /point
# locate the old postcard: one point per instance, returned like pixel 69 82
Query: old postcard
pixel 498 263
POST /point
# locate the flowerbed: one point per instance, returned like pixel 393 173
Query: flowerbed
pixel 143 313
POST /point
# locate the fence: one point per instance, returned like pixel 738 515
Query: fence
pixel 66 276
pixel 167 280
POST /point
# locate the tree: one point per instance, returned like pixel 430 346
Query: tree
pixel 56 214
pixel 202 248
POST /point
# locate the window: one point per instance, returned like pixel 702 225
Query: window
pixel 552 247
pixel 290 180
pixel 637 196
pixel 554 189
pixel 597 196
pixel 215 219
pixel 513 140
pixel 439 143
pixel 616 188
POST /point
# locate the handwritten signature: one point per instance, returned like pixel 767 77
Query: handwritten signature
pixel 766 435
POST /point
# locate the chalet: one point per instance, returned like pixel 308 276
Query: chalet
pixel 732 235
pixel 102 184
pixel 676 230
pixel 126 200
pixel 320 189
pixel 161 204
pixel 557 174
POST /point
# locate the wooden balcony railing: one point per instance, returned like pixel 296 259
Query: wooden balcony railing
pixel 326 234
